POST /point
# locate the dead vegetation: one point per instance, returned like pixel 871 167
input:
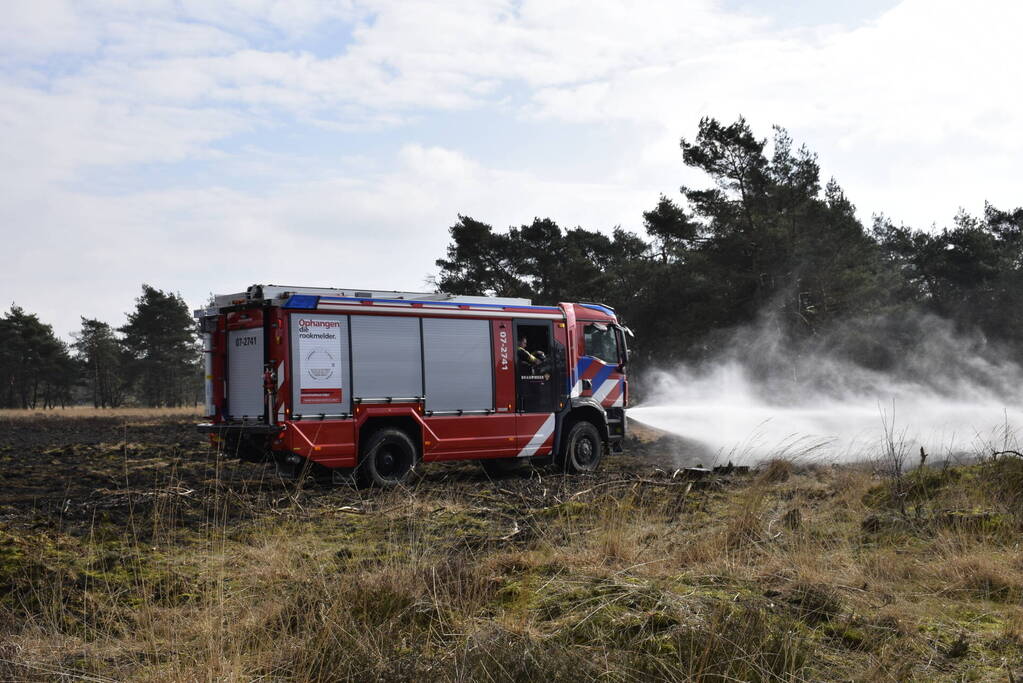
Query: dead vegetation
pixel 71 412
pixel 184 565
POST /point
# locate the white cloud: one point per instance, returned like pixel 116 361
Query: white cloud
pixel 383 230
pixel 37 28
pixel 916 112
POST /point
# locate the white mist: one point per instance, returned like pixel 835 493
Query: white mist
pixel 949 399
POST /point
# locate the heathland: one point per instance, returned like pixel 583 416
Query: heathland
pixel 132 549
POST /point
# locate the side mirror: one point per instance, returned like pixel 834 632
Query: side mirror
pixel 623 344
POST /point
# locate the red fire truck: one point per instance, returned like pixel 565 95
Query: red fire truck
pixel 376 382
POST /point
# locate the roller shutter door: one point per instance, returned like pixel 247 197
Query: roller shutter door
pixel 459 365
pixel 387 358
pixel 245 374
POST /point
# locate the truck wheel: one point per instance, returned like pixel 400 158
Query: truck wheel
pixel 584 449
pixel 388 459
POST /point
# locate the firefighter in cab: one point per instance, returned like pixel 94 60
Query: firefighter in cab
pixel 526 357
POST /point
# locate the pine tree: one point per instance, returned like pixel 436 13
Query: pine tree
pixel 103 361
pixel 160 337
pixel 35 367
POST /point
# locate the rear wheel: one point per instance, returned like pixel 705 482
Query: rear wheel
pixel 584 449
pixel 388 459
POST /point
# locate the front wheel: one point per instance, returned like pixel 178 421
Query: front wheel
pixel 584 449
pixel 388 459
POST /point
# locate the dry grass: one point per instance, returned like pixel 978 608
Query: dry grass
pixel 768 577
pixel 77 412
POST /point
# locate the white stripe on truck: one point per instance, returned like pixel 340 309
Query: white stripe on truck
pixel 604 389
pixel 538 440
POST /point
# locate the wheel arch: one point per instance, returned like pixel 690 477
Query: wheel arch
pixel 583 411
pixel 405 423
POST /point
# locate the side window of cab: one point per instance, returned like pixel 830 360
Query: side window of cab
pixel 600 341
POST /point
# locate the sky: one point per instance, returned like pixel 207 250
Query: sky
pixel 205 146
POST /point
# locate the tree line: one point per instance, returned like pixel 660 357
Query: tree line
pixel 153 359
pixel 763 237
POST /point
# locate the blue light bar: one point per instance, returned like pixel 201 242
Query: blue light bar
pixel 302 301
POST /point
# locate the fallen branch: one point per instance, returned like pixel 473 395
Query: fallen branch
pixel 995 454
pixel 645 482
pixel 514 532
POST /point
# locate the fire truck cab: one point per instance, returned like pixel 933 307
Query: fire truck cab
pixel 378 382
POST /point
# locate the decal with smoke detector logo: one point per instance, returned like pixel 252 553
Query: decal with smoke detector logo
pixel 319 352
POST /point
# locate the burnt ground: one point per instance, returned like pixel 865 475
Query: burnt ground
pixel 129 544
pixel 74 472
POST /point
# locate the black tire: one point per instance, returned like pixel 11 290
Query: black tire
pixel 502 467
pixel 389 458
pixel 583 448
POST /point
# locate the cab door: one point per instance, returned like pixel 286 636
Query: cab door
pixel 536 374
pixel 534 367
pixel 600 372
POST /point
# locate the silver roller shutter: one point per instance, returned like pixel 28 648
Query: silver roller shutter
pixel 245 374
pixel 459 364
pixel 387 357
